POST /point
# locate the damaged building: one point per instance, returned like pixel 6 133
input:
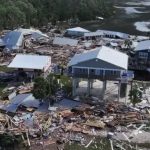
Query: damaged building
pixel 31 66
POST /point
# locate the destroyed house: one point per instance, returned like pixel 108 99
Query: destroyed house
pixel 2 44
pixel 15 40
pixel 113 34
pixel 93 35
pixel 21 100
pixel 62 41
pixel 140 60
pixel 31 65
pixel 101 63
pixel 76 32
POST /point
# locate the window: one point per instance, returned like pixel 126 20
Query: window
pixel 92 70
pixel 82 70
pixel 143 55
pixel 112 72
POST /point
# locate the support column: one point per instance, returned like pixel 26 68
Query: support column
pixel 123 91
pixel 88 87
pixel 104 89
pixel 91 85
pixel 73 87
pixel 119 87
pixel 77 83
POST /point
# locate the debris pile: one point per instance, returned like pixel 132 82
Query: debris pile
pixel 64 125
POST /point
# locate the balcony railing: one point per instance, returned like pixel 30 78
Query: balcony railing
pixel 94 76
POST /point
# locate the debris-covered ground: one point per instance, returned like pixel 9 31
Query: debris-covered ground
pixel 81 123
pixel 74 125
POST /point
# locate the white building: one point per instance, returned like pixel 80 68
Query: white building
pixel 33 65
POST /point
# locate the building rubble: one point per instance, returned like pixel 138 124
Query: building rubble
pixel 77 124
pixel 121 123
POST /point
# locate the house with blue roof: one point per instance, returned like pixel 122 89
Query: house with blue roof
pixel 14 40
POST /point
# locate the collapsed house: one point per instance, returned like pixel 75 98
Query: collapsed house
pixel 31 65
pixel 113 34
pixel 76 32
pixel 62 41
pixel 21 100
pixel 15 40
pixel 93 35
pixel 2 45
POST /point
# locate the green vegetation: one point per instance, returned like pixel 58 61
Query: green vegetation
pixel 104 144
pixel 66 84
pixel 2 86
pixel 14 13
pixel 40 90
pixel 46 88
pixel 8 142
pixel 135 94
pixel 5 69
pixel 99 144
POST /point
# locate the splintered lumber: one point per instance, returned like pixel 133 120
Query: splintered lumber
pixel 89 143
pixel 95 123
pixel 47 124
pixel 111 144
pixel 28 140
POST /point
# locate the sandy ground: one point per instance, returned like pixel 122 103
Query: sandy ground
pixel 111 90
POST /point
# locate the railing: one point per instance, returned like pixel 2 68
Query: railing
pixel 94 76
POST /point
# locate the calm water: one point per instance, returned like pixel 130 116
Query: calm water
pixel 128 12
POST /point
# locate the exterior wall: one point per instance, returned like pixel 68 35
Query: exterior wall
pixel 140 61
pixel 97 63
pixel 24 74
pixel 96 70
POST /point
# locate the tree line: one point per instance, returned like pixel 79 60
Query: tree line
pixel 15 13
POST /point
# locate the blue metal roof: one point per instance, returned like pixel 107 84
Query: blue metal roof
pixel 26 100
pixel 11 39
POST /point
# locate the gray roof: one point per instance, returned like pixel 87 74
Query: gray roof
pixel 103 53
pixel 65 41
pixel 143 45
pixel 31 62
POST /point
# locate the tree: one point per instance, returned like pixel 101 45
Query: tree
pixel 40 90
pixel 135 95
pixel 52 84
pixel 66 84
pixel 44 89
pixel 39 12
